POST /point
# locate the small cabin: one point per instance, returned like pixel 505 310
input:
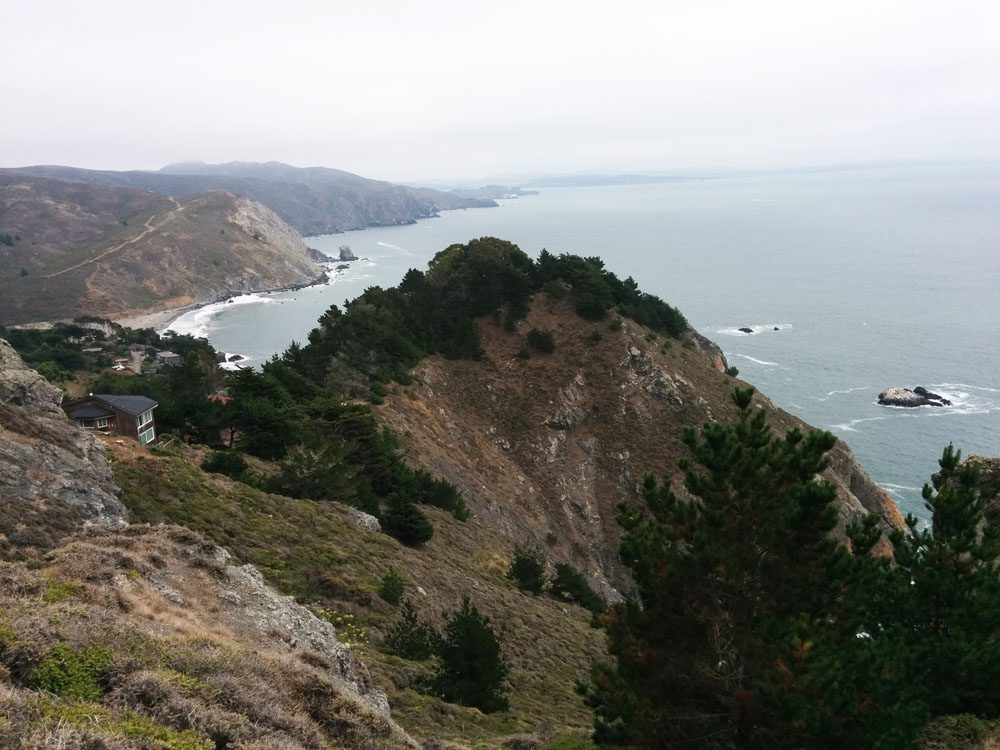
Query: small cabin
pixel 130 416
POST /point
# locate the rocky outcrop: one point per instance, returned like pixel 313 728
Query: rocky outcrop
pixel 346 255
pixel 919 396
pixel 54 474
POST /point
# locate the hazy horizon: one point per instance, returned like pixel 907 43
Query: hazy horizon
pixel 459 91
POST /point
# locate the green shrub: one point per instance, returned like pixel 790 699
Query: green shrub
pixel 71 673
pixel 616 324
pixel 570 742
pixel 406 522
pixel 410 637
pixel 541 341
pixel 392 587
pixel 595 337
pixel 228 462
pixel 524 353
pixel 732 372
pixel 527 568
pixel 570 584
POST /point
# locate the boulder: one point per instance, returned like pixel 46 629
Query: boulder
pixel 346 254
pixel 918 396
pixel 745 329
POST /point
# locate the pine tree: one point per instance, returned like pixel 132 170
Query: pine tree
pixel 732 588
pixel 410 637
pixel 949 602
pixel 472 671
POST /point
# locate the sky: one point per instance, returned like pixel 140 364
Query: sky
pixel 411 91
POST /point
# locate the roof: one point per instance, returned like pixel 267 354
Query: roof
pixel 134 405
pixel 90 411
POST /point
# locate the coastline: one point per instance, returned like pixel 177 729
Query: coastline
pixel 160 320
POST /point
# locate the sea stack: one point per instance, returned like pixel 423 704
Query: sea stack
pixel 919 396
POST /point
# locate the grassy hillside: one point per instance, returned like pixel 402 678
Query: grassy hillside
pixel 96 250
pixel 338 567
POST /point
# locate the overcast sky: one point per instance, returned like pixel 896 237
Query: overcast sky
pixel 410 90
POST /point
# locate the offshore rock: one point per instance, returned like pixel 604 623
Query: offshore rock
pixel 919 396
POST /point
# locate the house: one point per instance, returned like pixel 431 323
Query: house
pixel 131 416
pixel 168 358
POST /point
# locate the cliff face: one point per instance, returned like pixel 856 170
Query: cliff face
pixel 97 250
pixel 55 476
pixel 189 648
pixel 544 448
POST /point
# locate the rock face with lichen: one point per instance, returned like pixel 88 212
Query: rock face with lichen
pixel 55 475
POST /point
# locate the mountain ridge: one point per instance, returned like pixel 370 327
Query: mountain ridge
pixel 314 200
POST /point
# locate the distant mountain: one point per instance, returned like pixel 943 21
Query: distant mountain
pixel 314 200
pixel 70 248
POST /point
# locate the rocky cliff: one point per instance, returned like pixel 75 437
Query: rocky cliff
pixel 55 476
pixel 544 448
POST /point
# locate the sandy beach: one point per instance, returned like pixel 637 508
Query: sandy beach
pixel 157 319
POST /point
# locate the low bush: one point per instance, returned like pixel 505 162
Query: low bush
pixel 570 584
pixel 541 341
pixel 230 463
pixel 527 569
pixel 392 587
pixel 71 673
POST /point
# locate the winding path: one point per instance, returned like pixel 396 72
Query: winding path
pixel 145 233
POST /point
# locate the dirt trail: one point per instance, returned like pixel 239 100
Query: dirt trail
pixel 145 233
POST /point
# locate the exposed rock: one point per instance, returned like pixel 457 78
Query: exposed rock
pixel 707 348
pixel 345 253
pixel 919 396
pixel 364 521
pixel 318 255
pixel 745 329
pixel 53 472
pixel 235 357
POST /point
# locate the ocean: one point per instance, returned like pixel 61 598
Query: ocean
pixel 852 281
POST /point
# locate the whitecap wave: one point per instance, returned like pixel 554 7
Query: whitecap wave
pixel 763 362
pixel 755 329
pixel 197 322
pixel 849 426
pixel 389 245
pixel 899 487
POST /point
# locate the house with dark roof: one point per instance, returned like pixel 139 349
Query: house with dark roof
pixel 131 416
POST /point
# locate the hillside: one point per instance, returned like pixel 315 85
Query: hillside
pixel 89 249
pixel 547 446
pixel 313 200
pixel 115 636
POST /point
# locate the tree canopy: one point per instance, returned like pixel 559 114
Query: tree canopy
pixel 753 627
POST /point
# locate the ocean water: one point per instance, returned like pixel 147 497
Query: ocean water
pixel 852 281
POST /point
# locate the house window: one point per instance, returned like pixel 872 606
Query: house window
pixel 145 418
pixel 101 422
pixel 147 436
